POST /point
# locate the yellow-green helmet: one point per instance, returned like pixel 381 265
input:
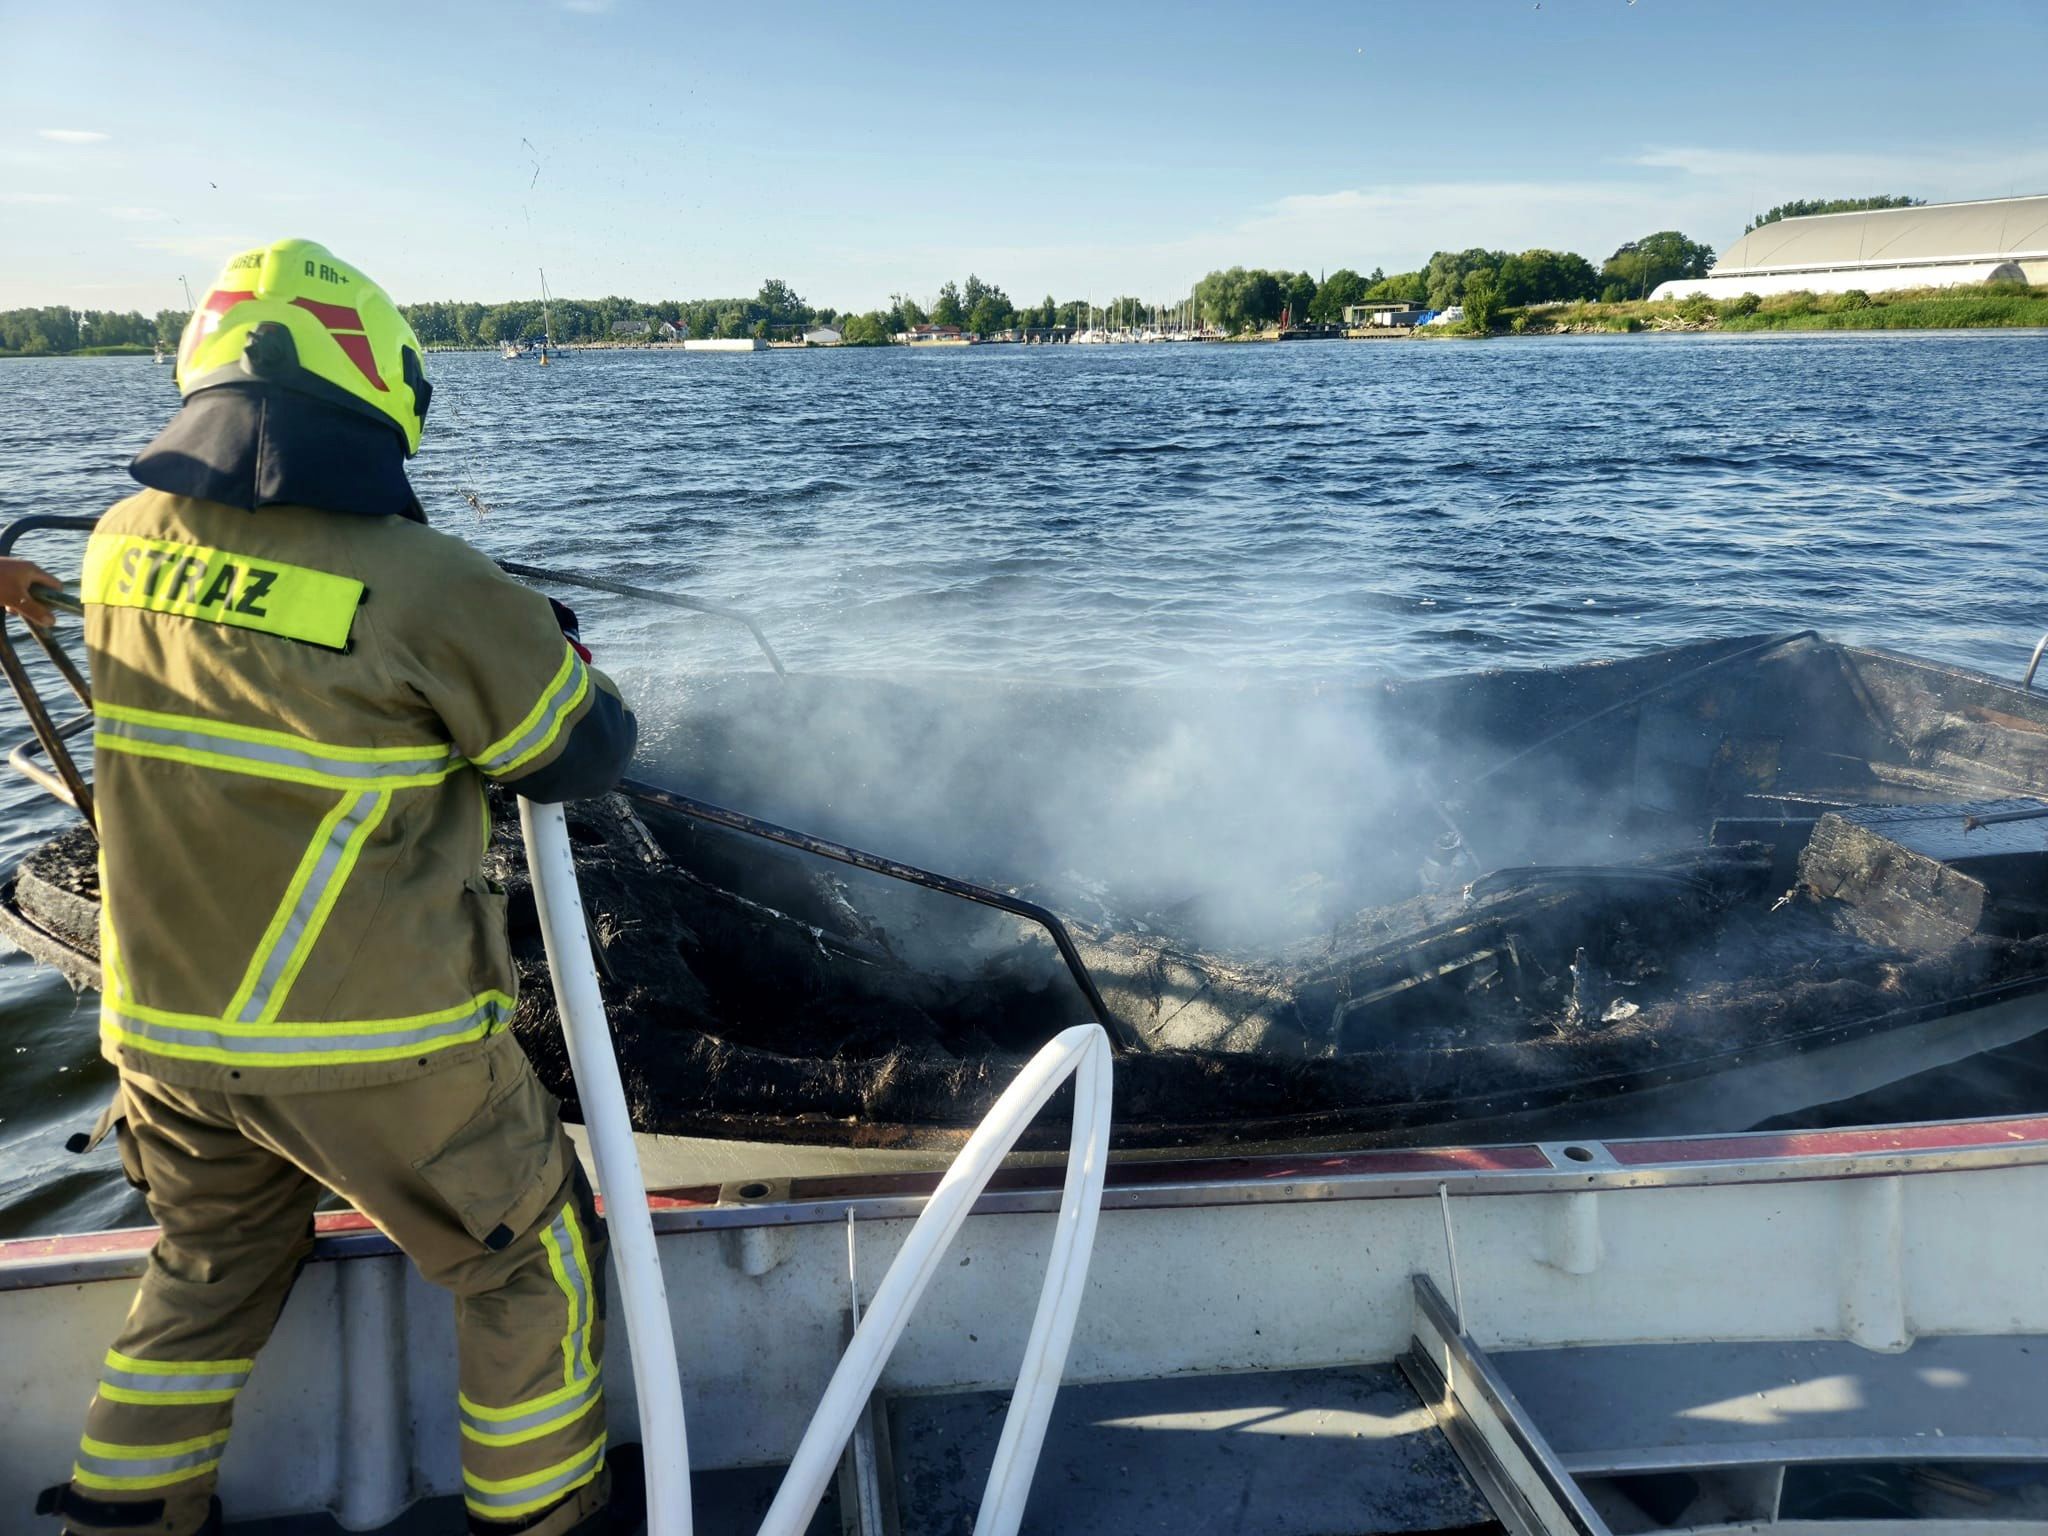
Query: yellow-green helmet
pixel 294 315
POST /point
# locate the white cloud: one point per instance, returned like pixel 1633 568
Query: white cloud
pixel 1392 225
pixel 137 215
pixel 35 197
pixel 1398 222
pixel 73 135
pixel 1944 175
pixel 198 247
pixel 1707 193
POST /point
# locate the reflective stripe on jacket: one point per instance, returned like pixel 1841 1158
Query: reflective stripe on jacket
pixel 297 711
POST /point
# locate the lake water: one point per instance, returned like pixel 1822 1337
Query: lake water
pixel 1166 512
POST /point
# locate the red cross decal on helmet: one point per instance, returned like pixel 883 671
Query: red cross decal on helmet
pixel 345 325
pixel 218 303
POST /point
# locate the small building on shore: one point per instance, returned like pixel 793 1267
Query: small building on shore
pixel 630 330
pixel 824 336
pixel 1393 312
pixel 675 330
pixel 1939 245
pixel 936 336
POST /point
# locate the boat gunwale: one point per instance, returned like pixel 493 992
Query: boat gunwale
pixel 1515 1168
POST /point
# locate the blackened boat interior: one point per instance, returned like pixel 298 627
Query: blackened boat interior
pixel 1396 912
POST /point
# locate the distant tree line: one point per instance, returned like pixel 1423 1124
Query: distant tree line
pixel 1240 299
pixel 983 309
pixel 58 328
pixel 1803 207
pixel 1234 300
pixel 776 310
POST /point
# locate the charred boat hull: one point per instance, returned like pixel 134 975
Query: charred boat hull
pixel 1575 901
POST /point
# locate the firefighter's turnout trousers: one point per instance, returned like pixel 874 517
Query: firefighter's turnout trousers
pixel 467 1169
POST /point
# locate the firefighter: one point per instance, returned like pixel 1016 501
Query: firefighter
pixel 301 693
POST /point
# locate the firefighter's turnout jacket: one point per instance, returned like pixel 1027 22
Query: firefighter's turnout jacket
pixel 297 712
pixel 298 708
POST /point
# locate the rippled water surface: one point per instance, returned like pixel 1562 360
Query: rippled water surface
pixel 1149 513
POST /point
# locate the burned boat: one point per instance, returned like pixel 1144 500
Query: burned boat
pixel 1686 891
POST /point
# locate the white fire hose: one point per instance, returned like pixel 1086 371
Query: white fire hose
pixel 1081 1052
pixel 643 1297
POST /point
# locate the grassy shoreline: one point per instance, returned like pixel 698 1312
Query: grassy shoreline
pixel 126 349
pixel 1922 309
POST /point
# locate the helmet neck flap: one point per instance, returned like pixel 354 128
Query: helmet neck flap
pixel 252 445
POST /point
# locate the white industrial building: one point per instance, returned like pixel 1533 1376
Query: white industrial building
pixel 1938 246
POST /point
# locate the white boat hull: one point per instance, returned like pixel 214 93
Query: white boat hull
pixel 1874 1238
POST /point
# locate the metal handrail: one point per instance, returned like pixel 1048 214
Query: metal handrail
pixel 1125 1037
pixel 37 521
pixel 68 784
pixel 2034 662
pixel 22 761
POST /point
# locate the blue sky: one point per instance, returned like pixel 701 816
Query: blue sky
pixel 689 150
